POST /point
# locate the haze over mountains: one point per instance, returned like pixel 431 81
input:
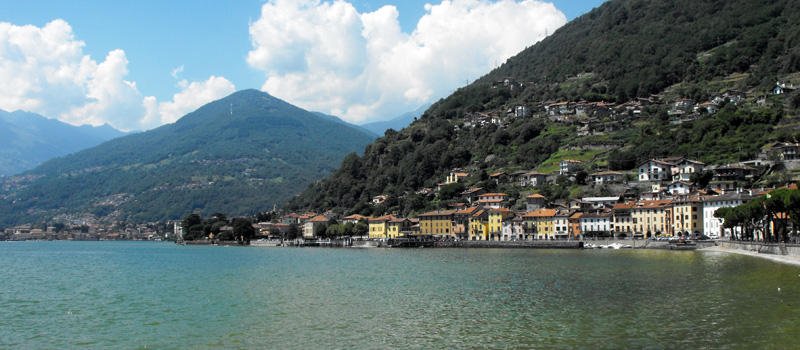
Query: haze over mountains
pixel 29 139
pixel 243 153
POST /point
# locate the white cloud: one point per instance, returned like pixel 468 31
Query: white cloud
pixel 193 96
pixel 44 70
pixel 328 57
pixel 177 71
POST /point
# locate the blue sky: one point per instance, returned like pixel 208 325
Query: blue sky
pixel 138 65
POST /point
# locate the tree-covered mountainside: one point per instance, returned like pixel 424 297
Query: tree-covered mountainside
pixel 238 155
pixel 630 81
pixel 29 139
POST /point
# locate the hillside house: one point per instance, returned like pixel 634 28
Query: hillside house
pixel 568 166
pixel 471 195
pixel 784 88
pixel 535 202
pixel 607 177
pixel 492 200
pixel 532 178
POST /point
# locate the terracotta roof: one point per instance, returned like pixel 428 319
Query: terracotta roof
pixel 541 213
pixel 384 218
pixel 493 195
pixel 535 196
pixel 319 218
pixel 438 213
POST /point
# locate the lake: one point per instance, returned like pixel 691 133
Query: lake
pixel 100 295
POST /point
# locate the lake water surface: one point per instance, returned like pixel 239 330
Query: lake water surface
pixel 101 295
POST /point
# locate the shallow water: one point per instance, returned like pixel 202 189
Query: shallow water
pixel 99 295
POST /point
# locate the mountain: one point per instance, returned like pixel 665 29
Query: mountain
pixel 237 155
pixel 339 120
pixel 651 79
pixel 396 123
pixel 29 139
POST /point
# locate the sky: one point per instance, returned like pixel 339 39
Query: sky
pixel 140 64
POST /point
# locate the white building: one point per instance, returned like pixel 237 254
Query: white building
pixel 713 226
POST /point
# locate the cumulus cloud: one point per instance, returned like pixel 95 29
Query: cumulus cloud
pixel 328 57
pixel 44 70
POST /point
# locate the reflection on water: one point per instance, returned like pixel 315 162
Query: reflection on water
pixel 159 295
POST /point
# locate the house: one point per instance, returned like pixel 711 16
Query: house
pixel 532 178
pixel 456 175
pixel 540 223
pixel 712 226
pixel 535 202
pixel 568 166
pixel 399 226
pixel 492 200
pixel 596 223
pixel 683 103
pixel 784 88
pixel 606 177
pixel 784 150
pixel 471 195
pixel 688 215
pixel 498 177
pixel 600 202
pixel 354 219
pixel 709 107
pixel 652 217
pixel 379 227
pixel 290 219
pixel 677 168
pixel 461 222
pixel 520 112
pixel 378 200
pixel 561 226
pixel 733 173
pixel 479 226
pixel 438 223
pixel 311 225
pixel 514 229
pixel 623 218
pixel 680 188
pixel 496 218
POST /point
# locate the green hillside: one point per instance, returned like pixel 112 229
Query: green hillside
pixel 636 57
pixel 239 155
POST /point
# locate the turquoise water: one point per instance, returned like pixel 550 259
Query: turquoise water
pixel 101 295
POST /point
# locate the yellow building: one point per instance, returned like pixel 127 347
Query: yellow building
pixel 687 213
pixel 541 223
pixel 496 218
pixel 310 225
pixel 379 227
pixel 436 223
pixel 651 218
pixel 479 226
pixel 398 227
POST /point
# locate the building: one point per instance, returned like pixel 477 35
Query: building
pixel 479 226
pixel 379 227
pixel 514 229
pixel 687 214
pixel 535 202
pixel 596 223
pixel 461 222
pixel 456 175
pixel 492 200
pixel 471 195
pixel 607 177
pixel 540 224
pixel 568 166
pixel 437 223
pixel 532 178
pixel 712 226
pixel 496 218
pixel 623 218
pixel 310 226
pixel 652 218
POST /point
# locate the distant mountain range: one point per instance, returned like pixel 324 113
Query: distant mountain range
pixel 237 155
pixel 397 123
pixel 29 139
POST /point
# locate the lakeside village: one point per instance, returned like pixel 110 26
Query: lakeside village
pixel 660 198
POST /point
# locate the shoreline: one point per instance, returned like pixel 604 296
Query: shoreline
pixel 785 259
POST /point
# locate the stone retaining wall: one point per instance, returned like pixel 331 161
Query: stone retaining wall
pixel 763 248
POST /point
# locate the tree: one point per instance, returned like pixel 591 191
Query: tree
pixel 243 230
pixel 320 231
pixel 191 220
pixel 293 232
pixel 361 229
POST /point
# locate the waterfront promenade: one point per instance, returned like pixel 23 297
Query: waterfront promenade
pixel 750 249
